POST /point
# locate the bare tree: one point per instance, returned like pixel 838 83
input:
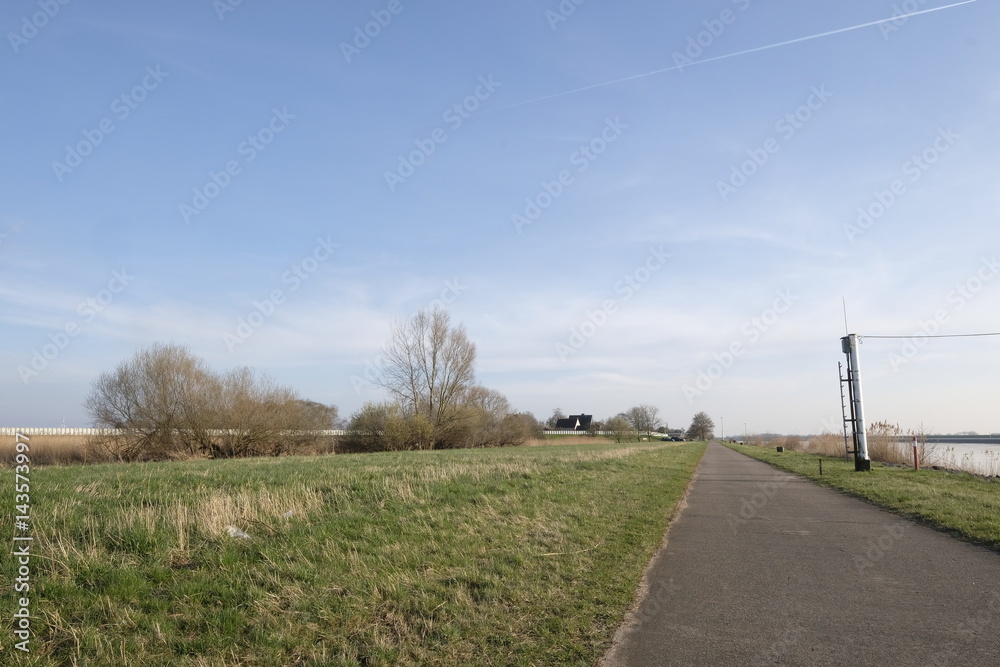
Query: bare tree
pixel 643 418
pixel 702 427
pixel 252 416
pixel 381 427
pixel 367 428
pixel 492 423
pixel 619 427
pixel 557 414
pixel 165 402
pixel 485 410
pixel 429 366
pixel 151 399
pixel 324 417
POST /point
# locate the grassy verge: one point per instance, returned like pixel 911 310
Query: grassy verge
pixel 512 556
pixel 962 504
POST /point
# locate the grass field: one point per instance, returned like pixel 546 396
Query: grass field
pixel 494 557
pixel 965 505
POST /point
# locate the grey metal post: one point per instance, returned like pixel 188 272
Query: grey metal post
pixel 850 346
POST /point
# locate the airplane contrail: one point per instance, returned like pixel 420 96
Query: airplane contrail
pixel 729 55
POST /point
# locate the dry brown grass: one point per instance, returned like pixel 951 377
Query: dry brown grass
pixel 826 444
pixel 568 440
pixel 75 449
pixel 884 445
pixel 52 450
pixel 792 443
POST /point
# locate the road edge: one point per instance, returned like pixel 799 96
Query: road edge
pixel 630 620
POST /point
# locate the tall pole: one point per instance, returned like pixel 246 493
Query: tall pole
pixel 849 345
pixel 723 427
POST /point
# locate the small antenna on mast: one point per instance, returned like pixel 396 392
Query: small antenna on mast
pixel 847 329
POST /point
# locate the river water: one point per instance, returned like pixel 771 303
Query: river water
pixel 981 458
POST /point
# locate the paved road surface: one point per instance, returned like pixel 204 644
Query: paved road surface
pixel 764 568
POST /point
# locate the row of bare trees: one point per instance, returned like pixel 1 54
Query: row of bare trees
pixel 635 422
pixel 428 370
pixel 640 421
pixel 165 403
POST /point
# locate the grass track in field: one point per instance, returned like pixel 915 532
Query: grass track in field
pixel 963 504
pixel 499 556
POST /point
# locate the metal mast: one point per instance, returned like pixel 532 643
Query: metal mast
pixel 849 345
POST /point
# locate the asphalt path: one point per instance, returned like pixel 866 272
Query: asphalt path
pixel 765 568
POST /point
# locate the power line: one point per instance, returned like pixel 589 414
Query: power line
pixel 996 333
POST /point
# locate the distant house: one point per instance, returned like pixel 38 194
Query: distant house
pixel 574 423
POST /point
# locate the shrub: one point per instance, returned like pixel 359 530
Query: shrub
pixel 166 403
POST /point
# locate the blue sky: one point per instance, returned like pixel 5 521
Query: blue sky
pixel 683 239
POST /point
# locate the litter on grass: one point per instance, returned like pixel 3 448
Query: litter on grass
pixel 236 532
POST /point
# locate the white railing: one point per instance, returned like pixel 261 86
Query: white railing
pixel 57 430
pixel 62 430
pixel 572 432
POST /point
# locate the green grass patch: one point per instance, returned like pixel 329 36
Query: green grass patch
pixel 502 556
pixel 965 505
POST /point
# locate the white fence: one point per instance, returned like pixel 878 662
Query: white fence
pixel 571 432
pixel 62 430
pixel 5 431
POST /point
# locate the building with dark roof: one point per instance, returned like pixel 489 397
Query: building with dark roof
pixel 574 423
